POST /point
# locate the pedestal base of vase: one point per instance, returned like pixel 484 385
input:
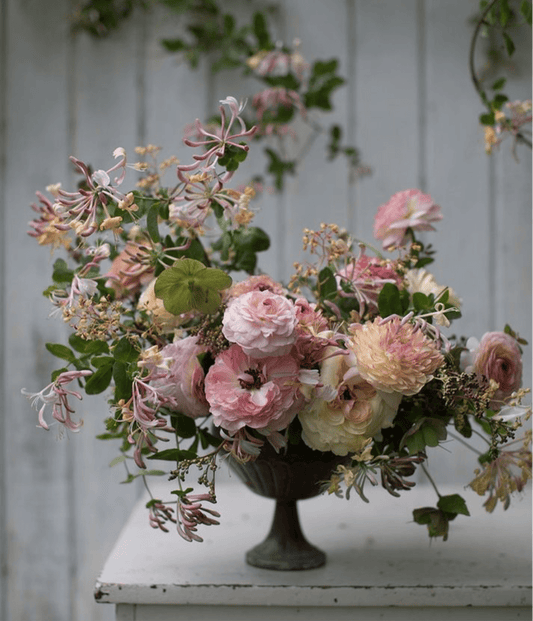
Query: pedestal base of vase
pixel 285 548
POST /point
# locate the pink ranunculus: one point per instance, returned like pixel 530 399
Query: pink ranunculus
pixel 497 357
pixel 260 393
pixel 262 323
pixel 184 380
pixel 407 209
pixel 368 275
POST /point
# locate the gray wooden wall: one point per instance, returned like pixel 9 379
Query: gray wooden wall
pixel 409 106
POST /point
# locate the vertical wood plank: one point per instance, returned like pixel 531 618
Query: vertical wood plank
pixel 319 191
pixel 458 178
pixel 386 92
pixel 109 112
pixel 37 521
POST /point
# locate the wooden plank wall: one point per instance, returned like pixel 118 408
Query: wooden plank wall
pixel 409 106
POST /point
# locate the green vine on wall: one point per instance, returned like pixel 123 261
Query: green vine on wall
pixel 498 22
pixel 290 88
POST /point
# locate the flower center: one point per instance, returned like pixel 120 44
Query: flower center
pixel 251 378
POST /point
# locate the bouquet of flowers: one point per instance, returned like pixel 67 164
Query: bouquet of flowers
pixel 348 358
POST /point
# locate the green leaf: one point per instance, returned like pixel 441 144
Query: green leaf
pixel 260 30
pixel 87 347
pixel 152 222
pixel 487 119
pixel 61 273
pixel 453 504
pixel 173 455
pixel 421 301
pixel 118 460
pixel 184 425
pixel 389 301
pixel 99 380
pixel 525 9
pixel 499 84
pixel 123 382
pixel 509 45
pixel 125 352
pixel 189 284
pixel 327 283
pixel 253 238
pixel 61 351
pixel 437 521
pixel 174 45
pixel 425 432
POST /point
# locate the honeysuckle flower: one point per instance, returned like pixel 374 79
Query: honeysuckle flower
pixel 409 209
pixel 45 228
pixel 191 513
pixel 216 143
pixel 260 393
pixel 394 357
pixel 79 210
pixel 343 418
pixel 497 357
pixel 262 323
pixel 506 474
pixel 56 395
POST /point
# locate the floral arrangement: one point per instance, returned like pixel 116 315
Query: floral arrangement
pixel 350 357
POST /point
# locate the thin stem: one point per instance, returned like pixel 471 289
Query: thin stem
pixel 473 76
pixel 430 479
pixel 459 439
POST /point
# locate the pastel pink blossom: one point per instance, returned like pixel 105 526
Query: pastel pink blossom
pixel 407 209
pixel 367 275
pixel 261 282
pixel 259 393
pixel 497 357
pixel 184 380
pixel 129 271
pixel 394 356
pixel 262 323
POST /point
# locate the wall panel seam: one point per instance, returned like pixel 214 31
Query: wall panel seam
pixel 3 155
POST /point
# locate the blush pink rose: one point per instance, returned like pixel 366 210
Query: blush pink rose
pixel 184 380
pixel 407 209
pixel 498 358
pixel 262 323
pixel 259 393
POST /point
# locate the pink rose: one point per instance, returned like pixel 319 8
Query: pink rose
pixel 498 358
pixel 407 209
pixel 262 282
pixel 184 380
pixel 367 275
pixel 262 323
pixel 260 393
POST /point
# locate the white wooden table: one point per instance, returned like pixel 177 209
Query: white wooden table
pixel 380 565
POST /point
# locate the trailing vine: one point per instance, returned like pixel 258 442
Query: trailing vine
pixel 290 89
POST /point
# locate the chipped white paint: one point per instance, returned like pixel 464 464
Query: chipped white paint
pixel 408 105
pixel 377 559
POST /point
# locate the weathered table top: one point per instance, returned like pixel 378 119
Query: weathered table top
pixel 377 556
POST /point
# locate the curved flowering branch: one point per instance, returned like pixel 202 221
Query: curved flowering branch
pixel 56 395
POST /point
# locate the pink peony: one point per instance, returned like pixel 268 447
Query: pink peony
pixel 184 380
pixel 407 209
pixel 394 357
pixel 348 410
pixel 367 275
pixel 262 323
pixel 497 357
pixel 263 394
